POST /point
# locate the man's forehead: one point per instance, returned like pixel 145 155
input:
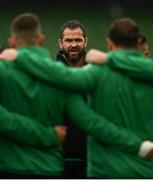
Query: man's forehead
pixel 72 32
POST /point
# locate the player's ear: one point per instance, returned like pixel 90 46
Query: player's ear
pixel 12 42
pixel 41 39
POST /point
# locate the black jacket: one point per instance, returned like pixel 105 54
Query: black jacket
pixel 75 144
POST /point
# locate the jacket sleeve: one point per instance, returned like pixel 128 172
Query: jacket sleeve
pixel 25 131
pixel 80 79
pixel 100 128
pixel 133 67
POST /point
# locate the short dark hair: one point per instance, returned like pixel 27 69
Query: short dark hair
pixel 124 32
pixel 72 24
pixel 26 24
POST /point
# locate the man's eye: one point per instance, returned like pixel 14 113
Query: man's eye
pixel 78 40
pixel 68 40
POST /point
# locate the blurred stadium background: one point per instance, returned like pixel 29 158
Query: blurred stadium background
pixel 96 15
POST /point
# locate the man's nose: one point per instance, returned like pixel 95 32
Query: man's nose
pixel 74 43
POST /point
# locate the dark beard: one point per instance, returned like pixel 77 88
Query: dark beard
pixel 75 58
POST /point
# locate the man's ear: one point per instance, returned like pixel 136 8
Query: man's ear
pixel 86 42
pixel 60 43
pixel 12 42
pixel 41 40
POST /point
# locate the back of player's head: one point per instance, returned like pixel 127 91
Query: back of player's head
pixel 124 32
pixel 26 26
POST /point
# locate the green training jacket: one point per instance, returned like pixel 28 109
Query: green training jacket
pixel 28 143
pixel 31 147
pixel 122 100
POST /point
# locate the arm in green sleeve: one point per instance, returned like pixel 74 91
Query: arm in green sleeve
pixel 134 66
pixel 101 129
pixel 25 131
pixel 80 79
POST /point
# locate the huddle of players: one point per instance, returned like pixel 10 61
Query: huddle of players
pixel 34 130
